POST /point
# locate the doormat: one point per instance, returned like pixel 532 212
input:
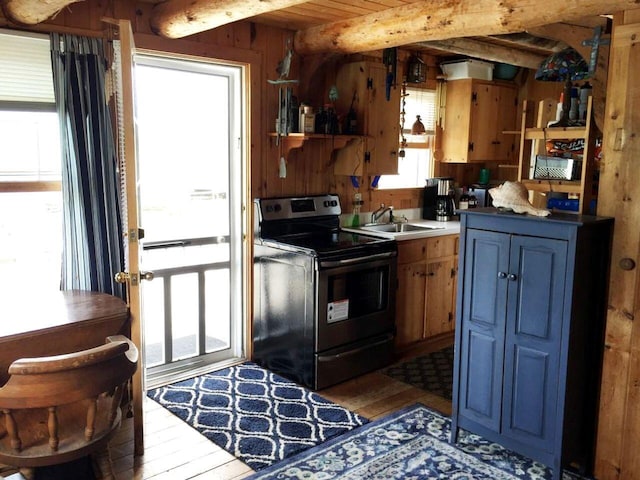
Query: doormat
pixel 256 415
pixel 432 372
pixel 412 443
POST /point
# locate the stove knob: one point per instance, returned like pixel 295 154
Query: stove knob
pixel 277 207
pixel 269 208
pixel 334 203
pixel 326 203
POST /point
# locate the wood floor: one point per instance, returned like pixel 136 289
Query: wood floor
pixel 175 451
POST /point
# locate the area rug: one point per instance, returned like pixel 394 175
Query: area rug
pixel 256 415
pixel 432 372
pixel 409 444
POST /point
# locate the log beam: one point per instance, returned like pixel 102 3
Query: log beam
pixel 32 12
pixel 525 40
pixel 424 21
pixel 486 51
pixel 180 18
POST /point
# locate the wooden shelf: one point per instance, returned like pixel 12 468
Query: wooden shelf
pixel 556 133
pixel 532 143
pixel 560 186
pixel 297 140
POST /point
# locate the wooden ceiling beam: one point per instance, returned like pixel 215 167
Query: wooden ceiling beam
pixel 180 18
pixel 486 51
pixel 32 12
pixel 525 40
pixel 426 21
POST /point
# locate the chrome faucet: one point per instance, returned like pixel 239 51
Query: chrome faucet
pixel 375 216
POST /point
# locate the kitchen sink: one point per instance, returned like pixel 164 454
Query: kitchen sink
pixel 398 227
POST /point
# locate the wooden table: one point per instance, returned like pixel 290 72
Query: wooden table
pixel 37 325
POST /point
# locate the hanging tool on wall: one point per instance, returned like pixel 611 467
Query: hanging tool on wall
pixel 390 59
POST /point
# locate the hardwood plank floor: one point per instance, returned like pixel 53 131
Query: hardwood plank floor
pixel 175 451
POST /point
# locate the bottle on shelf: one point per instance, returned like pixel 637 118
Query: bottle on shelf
pixel 473 201
pixel 357 203
pixel 573 108
pixel 463 204
pixel 321 121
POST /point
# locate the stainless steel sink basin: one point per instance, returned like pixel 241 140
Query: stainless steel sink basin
pixel 398 227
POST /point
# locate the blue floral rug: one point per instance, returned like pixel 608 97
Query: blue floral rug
pixel 257 416
pixel 410 444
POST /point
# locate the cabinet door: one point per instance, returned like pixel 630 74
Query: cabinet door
pixel 533 337
pixel 484 115
pixel 440 287
pixel 410 303
pixel 484 301
pixel 457 122
pixel 383 124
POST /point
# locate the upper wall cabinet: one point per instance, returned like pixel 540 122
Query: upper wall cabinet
pixel 476 114
pixel 364 84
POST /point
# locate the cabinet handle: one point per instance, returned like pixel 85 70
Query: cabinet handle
pixel 502 275
pixel 513 277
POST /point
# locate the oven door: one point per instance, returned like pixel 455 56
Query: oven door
pixel 356 300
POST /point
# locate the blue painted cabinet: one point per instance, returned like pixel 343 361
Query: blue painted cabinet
pixel 529 332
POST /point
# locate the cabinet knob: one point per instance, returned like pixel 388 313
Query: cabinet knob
pixel 502 275
pixel 627 264
pixel 512 277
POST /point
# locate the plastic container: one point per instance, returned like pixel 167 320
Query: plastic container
pixel 569 204
pixel 469 68
pixel 504 71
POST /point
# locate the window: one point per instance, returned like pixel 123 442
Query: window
pixel 417 163
pixel 30 166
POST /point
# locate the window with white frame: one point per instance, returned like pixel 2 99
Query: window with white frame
pixel 415 162
pixel 30 165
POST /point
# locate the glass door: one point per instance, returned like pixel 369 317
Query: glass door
pixel 188 121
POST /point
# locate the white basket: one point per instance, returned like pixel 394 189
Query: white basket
pixel 467 69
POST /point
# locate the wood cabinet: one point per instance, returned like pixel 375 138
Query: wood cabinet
pixel 549 178
pixel 477 113
pixel 530 333
pixel 425 301
pixel 378 119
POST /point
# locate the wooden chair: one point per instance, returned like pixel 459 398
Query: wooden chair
pixel 61 408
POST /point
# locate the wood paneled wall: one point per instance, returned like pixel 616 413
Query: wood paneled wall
pixel 619 423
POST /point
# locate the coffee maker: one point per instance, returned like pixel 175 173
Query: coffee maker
pixel 445 206
pixel 437 199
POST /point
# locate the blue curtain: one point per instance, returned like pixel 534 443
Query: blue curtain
pixel 92 247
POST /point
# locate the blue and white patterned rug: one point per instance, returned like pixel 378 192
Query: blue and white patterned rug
pixel 411 444
pixel 258 416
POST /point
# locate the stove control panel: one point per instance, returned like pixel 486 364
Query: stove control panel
pixel 298 207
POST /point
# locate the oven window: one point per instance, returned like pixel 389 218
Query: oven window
pixel 365 290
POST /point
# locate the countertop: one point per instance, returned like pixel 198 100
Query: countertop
pixel 452 227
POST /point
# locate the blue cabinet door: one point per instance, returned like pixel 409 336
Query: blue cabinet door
pixel 535 303
pixel 483 327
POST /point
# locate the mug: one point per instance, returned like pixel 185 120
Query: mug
pixel 483 179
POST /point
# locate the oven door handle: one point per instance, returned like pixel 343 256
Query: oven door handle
pixel 351 261
pixel 386 339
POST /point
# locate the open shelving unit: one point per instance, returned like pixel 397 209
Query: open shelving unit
pixel 533 142
pixel 297 140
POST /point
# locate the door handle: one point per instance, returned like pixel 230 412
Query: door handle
pixel 513 277
pixel 124 277
pixel 502 275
